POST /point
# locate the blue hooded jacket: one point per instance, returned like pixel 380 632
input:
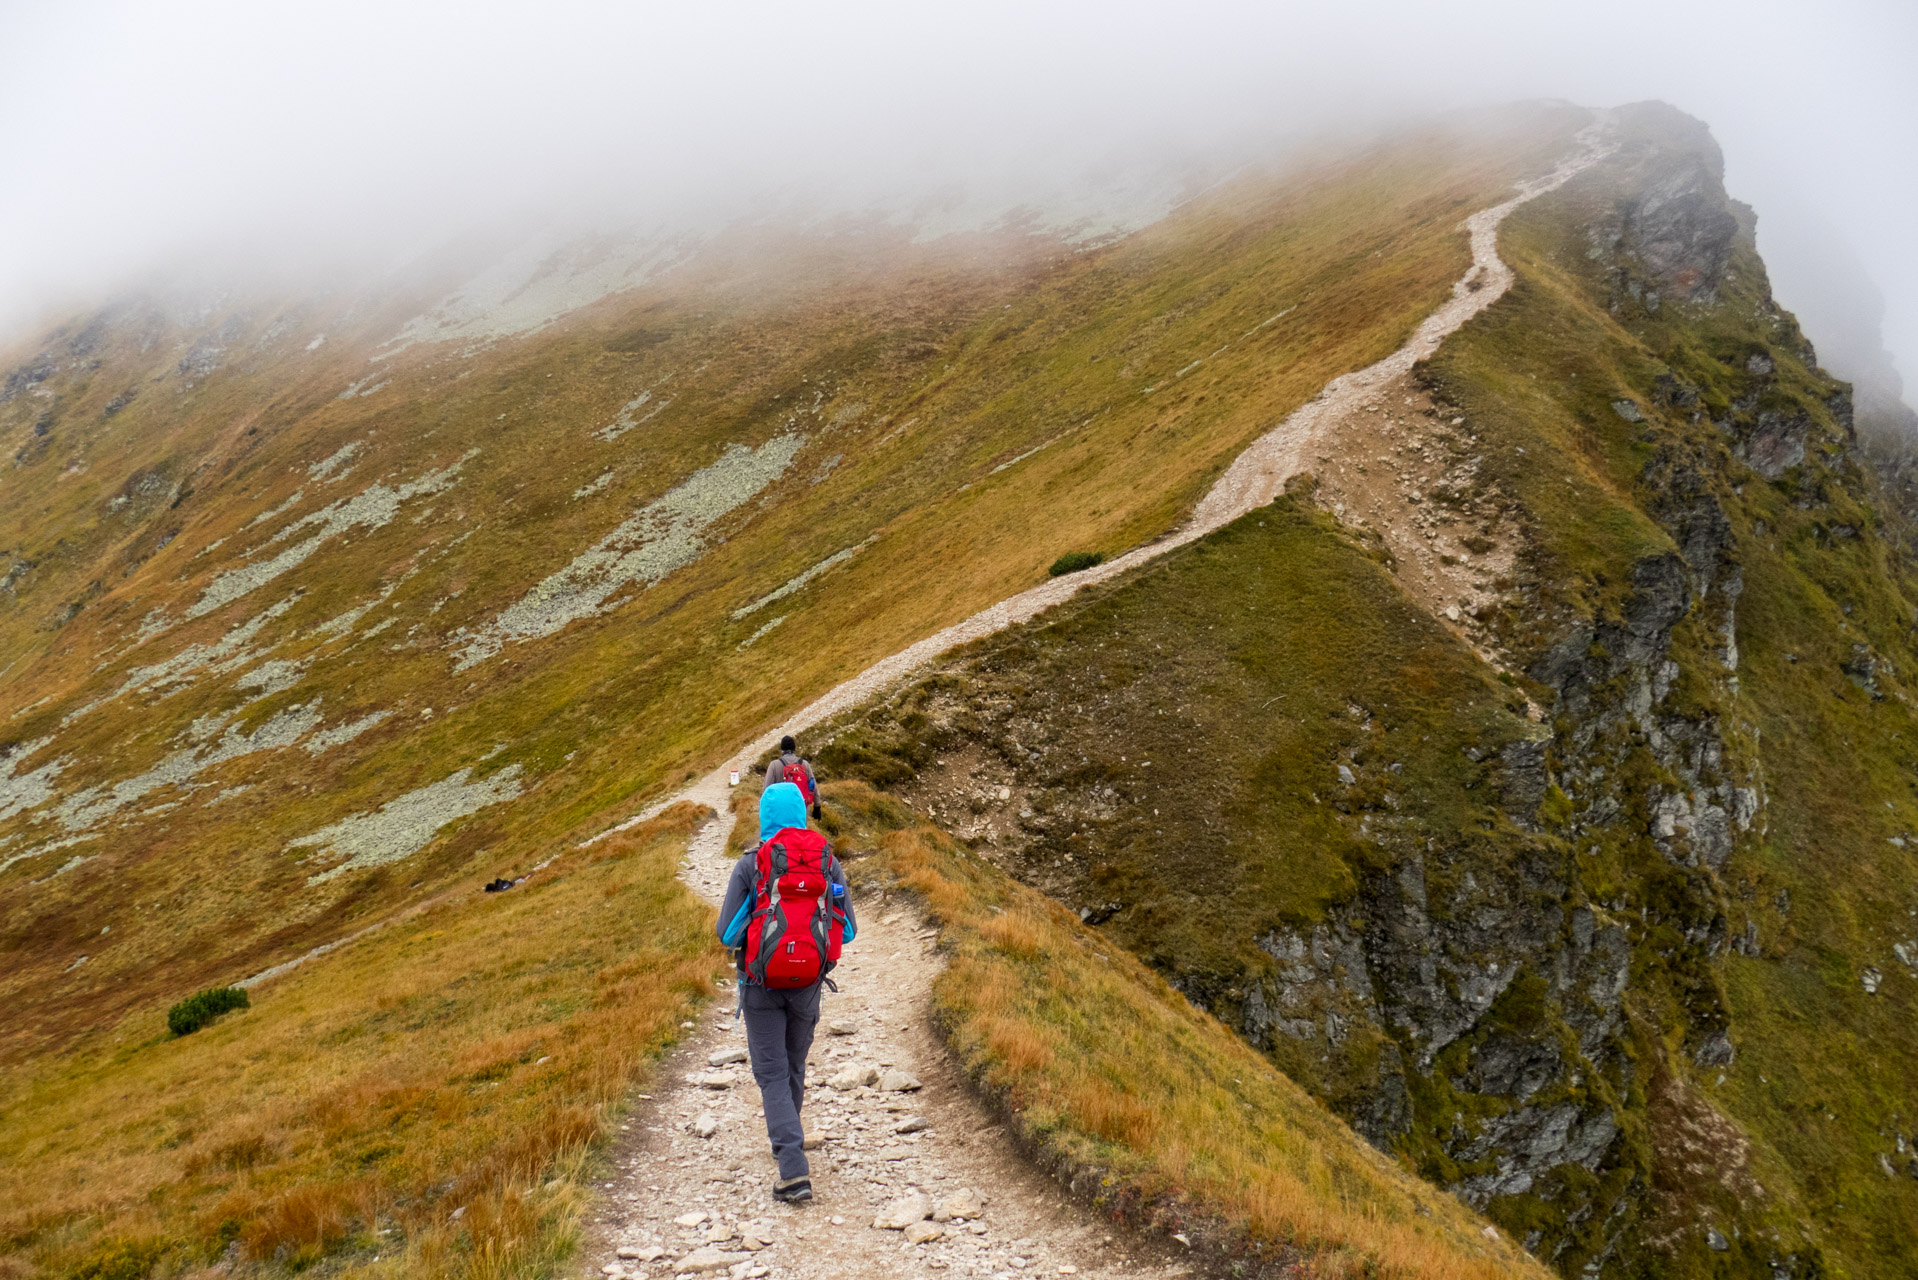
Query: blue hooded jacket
pixel 780 806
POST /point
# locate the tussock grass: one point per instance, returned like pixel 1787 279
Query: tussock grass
pixel 1146 1105
pixel 466 1059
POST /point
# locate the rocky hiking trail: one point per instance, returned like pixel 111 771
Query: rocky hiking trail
pixel 913 1176
pixel 898 1139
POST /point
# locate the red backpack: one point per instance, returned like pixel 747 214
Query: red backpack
pixel 799 773
pixel 794 935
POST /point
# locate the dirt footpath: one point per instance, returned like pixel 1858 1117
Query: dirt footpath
pixel 893 1120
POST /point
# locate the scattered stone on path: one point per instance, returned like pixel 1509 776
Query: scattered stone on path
pixel 842 1028
pixel 755 1237
pixel 895 1153
pixel 964 1203
pixel 813 1141
pixel 719 1233
pixel 725 1057
pixel 854 1076
pixel 922 1232
pixel 706 1126
pixel 690 1219
pixel 897 1081
pixel 716 1080
pixel 903 1212
pixel 700 1261
pixel 912 1124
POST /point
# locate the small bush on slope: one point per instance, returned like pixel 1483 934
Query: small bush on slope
pixel 1143 1103
pixel 461 1058
pixel 1074 562
pixel 202 1007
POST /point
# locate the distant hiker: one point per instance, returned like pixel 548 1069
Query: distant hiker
pixel 787 766
pixel 786 913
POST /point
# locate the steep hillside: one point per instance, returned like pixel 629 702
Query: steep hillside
pixel 313 623
pixel 1140 1103
pixel 1532 783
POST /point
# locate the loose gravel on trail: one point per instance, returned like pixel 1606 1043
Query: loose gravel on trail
pixel 900 1139
pixel 918 1181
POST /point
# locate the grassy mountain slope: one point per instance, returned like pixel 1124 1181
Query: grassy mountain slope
pixel 425 1102
pixel 1141 1103
pixel 296 641
pixel 1636 976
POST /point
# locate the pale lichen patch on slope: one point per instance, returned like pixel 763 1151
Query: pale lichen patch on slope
pixel 665 535
pixel 22 791
pixel 406 824
pixel 224 654
pixel 538 283
pixel 88 808
pixel 629 415
pixel 796 583
pixel 371 508
pixel 271 677
pixel 330 467
pixel 327 739
pixel 272 513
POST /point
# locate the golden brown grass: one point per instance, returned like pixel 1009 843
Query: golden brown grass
pixel 1150 1104
pixel 991 359
pixel 464 1060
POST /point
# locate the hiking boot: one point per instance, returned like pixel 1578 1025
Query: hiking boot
pixel 793 1190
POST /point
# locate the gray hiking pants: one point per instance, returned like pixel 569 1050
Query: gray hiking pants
pixel 779 1031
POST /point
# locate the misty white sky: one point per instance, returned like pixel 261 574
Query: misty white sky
pixel 134 135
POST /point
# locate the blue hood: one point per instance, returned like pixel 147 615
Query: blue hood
pixel 780 806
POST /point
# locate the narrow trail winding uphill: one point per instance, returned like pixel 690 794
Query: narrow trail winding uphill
pixel 1254 479
pixel 685 1203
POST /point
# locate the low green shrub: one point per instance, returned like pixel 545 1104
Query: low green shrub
pixel 119 1260
pixel 203 1007
pixel 1073 562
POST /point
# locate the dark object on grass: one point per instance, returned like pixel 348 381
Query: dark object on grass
pixel 1074 561
pixel 203 1007
pixel 501 885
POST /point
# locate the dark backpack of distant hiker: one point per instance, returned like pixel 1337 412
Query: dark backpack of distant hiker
pixel 794 935
pixel 798 771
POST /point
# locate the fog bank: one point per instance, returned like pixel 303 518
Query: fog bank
pixel 353 135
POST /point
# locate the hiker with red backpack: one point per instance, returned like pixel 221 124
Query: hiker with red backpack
pixel 790 766
pixel 786 915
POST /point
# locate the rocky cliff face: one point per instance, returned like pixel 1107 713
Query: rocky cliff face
pixel 1552 960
